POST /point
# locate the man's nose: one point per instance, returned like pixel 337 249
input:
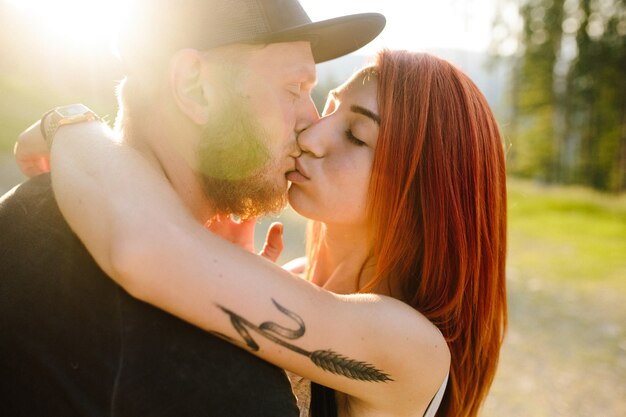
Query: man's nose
pixel 306 114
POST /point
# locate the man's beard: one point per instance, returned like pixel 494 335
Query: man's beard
pixel 236 164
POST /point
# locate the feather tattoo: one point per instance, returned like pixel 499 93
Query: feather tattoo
pixel 340 365
pixel 325 359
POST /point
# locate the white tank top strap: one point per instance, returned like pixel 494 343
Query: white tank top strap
pixel 436 401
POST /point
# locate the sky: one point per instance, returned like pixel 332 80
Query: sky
pixel 425 24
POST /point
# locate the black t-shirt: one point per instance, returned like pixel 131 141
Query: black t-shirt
pixel 73 343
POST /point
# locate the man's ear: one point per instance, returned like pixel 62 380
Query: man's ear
pixel 187 86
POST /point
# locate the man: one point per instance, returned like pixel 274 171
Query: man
pixel 215 95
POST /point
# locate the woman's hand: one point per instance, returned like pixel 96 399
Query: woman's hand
pixel 241 233
pixel 274 244
pixel 31 152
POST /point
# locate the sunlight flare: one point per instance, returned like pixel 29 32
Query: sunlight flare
pixel 77 21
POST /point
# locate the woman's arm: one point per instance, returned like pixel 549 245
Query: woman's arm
pixel 374 348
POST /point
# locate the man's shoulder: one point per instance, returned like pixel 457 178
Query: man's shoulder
pixel 33 194
pixel 29 212
pixel 50 283
pixel 32 225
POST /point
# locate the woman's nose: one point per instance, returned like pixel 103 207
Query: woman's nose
pixel 313 140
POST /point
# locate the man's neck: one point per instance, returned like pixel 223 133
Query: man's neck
pixel 157 148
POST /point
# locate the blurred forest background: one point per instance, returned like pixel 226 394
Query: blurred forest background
pixel 560 98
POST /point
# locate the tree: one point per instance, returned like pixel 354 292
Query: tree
pixel 569 107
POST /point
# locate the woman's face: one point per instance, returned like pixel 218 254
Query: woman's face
pixel 333 175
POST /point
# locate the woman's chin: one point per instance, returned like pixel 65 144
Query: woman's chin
pixel 300 203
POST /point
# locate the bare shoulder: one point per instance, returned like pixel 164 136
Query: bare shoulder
pixel 296 266
pixel 417 331
pixel 413 351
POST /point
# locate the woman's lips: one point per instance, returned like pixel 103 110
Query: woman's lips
pixel 299 175
pixel 296 176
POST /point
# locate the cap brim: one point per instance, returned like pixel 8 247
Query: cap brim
pixel 336 37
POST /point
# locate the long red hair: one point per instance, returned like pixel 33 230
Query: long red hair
pixel 437 206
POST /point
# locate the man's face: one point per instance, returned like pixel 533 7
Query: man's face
pixel 249 144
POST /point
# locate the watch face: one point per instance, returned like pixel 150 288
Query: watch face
pixel 74 113
pixel 72 110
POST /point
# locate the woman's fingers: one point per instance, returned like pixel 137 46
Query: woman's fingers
pixel 241 232
pixel 31 152
pixel 273 246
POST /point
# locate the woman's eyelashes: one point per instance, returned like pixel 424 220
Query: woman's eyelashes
pixel 353 138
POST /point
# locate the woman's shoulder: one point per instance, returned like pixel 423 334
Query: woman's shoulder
pixel 418 354
pixel 399 311
pixel 297 266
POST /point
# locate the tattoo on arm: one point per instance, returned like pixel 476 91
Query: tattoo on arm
pixel 326 359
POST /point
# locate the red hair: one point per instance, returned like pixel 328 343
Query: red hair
pixel 438 210
pixel 437 207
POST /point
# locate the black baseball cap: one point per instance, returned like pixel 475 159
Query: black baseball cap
pixel 160 27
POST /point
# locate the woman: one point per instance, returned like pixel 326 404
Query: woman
pixel 404 296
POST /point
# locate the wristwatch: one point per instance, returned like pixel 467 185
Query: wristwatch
pixel 64 115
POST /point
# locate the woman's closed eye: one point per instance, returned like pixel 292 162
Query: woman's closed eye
pixel 354 139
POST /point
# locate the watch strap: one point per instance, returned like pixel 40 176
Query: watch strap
pixel 59 116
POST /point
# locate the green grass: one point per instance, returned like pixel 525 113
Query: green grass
pixel 565 351
pixel 567 234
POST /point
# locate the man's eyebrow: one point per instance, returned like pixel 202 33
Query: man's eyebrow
pixel 366 112
pixel 307 73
